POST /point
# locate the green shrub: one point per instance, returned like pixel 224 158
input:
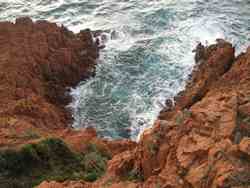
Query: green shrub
pixel 185 114
pixel 95 162
pixel 50 159
pixel 95 148
pixel 91 176
pixel 152 147
pixel 158 185
pixel 108 183
pixel 179 119
pixel 239 178
pixel 135 175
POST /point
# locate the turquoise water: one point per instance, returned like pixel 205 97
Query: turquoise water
pixel 147 56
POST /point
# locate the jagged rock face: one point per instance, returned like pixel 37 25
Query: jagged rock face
pixel 201 142
pixel 38 61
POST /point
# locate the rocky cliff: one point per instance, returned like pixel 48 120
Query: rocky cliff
pixel 39 61
pixel 200 141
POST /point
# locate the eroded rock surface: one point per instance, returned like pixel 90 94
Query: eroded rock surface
pixel 207 124
pixel 200 142
pixel 39 61
pixel 203 141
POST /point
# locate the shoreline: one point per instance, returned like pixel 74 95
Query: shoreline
pixel 193 143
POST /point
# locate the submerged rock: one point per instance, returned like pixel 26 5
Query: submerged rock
pixel 200 51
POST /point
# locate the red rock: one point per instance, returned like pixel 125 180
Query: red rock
pixel 245 146
pixel 193 140
pixel 70 184
pixel 192 144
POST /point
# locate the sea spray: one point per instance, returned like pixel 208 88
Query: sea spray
pixel 148 60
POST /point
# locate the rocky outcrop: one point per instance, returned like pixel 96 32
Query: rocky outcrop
pixel 202 132
pixel 202 141
pixel 39 61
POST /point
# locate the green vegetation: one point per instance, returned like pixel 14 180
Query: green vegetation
pixel 187 113
pixel 157 135
pixel 49 159
pixel 240 178
pixel 153 143
pixel 183 116
pixel 108 183
pixel 135 175
pixel 152 147
pixel 242 129
pixel 179 119
pixel 94 163
pixel 158 185
pixel 246 120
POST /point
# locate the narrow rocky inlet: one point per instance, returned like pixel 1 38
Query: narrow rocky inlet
pixel 124 94
pixel 200 140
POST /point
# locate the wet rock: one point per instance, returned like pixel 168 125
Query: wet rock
pixel 199 52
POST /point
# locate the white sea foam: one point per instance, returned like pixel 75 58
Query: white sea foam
pixel 148 54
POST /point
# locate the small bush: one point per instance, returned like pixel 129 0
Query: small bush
pixel 240 178
pixel 158 185
pixel 95 162
pixel 91 176
pixel 242 129
pixel 179 119
pixel 95 148
pixel 135 175
pixel 108 183
pixel 157 135
pixel 187 113
pixel 183 116
pixel 152 147
pixel 49 159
